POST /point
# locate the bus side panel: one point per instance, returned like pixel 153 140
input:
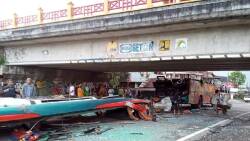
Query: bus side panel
pixel 195 91
pixel 209 90
pixel 206 94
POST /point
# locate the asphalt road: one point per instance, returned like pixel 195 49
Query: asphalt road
pixel 167 128
pixel 237 130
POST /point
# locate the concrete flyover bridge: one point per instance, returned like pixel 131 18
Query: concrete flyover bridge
pixel 183 36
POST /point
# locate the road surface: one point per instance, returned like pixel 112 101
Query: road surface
pixel 237 130
pixel 167 127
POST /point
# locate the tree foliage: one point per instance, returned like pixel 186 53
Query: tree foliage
pixel 116 77
pixel 237 77
pixel 2 60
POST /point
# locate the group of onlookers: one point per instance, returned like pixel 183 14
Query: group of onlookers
pixel 28 89
pixel 41 88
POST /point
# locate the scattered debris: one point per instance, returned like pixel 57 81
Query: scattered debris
pixel 77 124
pixel 100 132
pixel 187 112
pixel 91 130
pixel 165 116
pixel 96 130
pixel 139 111
pixel 127 123
pixel 165 104
pixel 137 133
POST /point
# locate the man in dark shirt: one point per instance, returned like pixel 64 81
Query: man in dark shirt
pixel 174 100
pixel 9 90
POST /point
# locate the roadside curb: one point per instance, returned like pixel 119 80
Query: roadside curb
pixel 199 134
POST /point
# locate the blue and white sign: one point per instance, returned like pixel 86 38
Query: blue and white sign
pixel 136 47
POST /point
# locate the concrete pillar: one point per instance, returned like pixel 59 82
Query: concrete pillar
pixel 106 7
pixel 14 20
pixel 40 15
pixel 70 10
pixel 149 3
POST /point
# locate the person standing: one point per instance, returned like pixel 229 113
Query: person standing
pixel 175 104
pixel 71 90
pixel 9 90
pixel 86 89
pixel 128 92
pixel 41 88
pixel 216 101
pixel 111 91
pixel 224 98
pixel 80 92
pixel 121 92
pixel 29 89
pixel 102 91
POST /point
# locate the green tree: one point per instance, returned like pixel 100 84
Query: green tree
pixel 2 60
pixel 237 77
pixel 116 77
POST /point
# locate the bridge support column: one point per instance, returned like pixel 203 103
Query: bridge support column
pixel 40 15
pixel 14 21
pixel 149 3
pixel 106 7
pixel 70 10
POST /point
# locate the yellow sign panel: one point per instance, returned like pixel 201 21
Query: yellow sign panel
pixel 112 48
pixel 164 45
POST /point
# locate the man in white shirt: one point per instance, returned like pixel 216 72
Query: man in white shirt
pixel 72 90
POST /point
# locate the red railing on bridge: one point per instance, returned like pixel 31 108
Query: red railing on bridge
pixel 88 10
pixel 54 15
pixel 5 24
pixel 26 20
pixel 107 7
pixel 125 4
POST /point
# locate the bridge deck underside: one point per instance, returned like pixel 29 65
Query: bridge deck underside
pixel 174 65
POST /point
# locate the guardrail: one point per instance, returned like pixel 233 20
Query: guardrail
pixel 78 12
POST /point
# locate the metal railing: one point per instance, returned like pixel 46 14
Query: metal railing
pixel 71 12
pixel 88 10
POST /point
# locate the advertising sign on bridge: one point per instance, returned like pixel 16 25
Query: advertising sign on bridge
pixel 136 47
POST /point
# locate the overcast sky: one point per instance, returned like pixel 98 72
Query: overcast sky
pixel 29 7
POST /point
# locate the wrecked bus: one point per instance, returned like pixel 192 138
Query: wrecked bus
pixel 194 88
pixel 200 92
